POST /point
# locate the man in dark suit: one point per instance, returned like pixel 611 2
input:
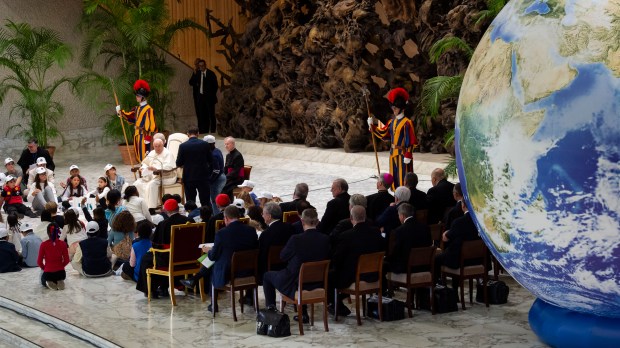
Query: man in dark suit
pixel 411 234
pixel 388 220
pixel 418 198
pixel 345 224
pixel 309 246
pixel 377 202
pixel 463 229
pixel 456 211
pixel 233 167
pixel 277 233
pixel 361 239
pixel 299 195
pixel 439 197
pixel 236 236
pixel 161 240
pixel 204 88
pixel 336 209
pixel 195 157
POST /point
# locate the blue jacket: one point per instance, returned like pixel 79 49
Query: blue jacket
pixel 234 237
pixel 217 165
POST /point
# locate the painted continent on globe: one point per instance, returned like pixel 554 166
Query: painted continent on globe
pixel 538 148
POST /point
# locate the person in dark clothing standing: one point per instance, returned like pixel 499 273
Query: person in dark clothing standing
pixel 195 157
pixel 204 88
pixel 29 157
pixel 233 167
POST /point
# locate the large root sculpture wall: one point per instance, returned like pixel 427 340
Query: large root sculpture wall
pixel 299 68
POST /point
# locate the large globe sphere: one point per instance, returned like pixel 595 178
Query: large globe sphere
pixel 538 148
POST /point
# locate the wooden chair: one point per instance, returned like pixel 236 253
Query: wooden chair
pixel 310 272
pixel 219 224
pixel 473 250
pixel 418 257
pixel 273 258
pixel 183 255
pixel 174 141
pixel 497 268
pixel 245 262
pixel 290 217
pixel 367 263
pixel 437 234
pixel 247 170
pixel 421 216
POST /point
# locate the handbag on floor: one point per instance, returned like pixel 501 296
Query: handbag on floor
pixel 392 309
pixel 272 323
pixel 446 299
pixel 497 291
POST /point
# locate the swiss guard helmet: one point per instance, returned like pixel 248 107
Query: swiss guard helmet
pixel 141 88
pixel 398 97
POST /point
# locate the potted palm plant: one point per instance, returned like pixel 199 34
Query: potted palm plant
pixel 27 55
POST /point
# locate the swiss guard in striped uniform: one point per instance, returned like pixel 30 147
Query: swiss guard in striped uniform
pixel 399 130
pixel 143 118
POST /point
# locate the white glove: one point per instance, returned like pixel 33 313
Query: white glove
pixel 370 121
pixel 118 109
pixel 407 160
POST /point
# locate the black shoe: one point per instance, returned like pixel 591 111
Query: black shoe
pixel 304 317
pixel 162 292
pixel 210 308
pixel 188 283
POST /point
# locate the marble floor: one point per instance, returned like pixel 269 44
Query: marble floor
pixel 109 312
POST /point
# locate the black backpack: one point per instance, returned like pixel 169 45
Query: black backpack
pixel 497 291
pixel 272 323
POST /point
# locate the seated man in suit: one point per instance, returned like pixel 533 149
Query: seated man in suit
pixel 388 220
pixel 236 236
pixel 361 239
pixel 456 211
pixel 463 229
pixel 336 209
pixel 418 198
pixel 309 246
pixel 411 234
pixel 345 224
pixel 439 197
pixel 378 202
pixel 299 195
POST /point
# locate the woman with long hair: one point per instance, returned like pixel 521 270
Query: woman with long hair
pixel 74 190
pixel 41 191
pixel 73 232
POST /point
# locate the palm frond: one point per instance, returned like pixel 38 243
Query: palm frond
pixel 437 89
pixel 450 43
pixel 451 169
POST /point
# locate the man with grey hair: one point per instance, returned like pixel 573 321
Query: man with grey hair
pixel 299 195
pixel 363 238
pixel 160 161
pixel 336 209
pixel 233 167
pixel 345 224
pixel 388 220
pixel 309 246
pixel 439 197
pixel 377 202
pixel 411 234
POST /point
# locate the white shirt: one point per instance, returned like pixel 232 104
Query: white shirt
pixel 164 160
pixel 138 208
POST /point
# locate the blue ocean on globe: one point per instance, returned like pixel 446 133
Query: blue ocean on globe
pixel 538 149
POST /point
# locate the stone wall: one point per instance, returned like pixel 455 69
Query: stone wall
pixel 81 125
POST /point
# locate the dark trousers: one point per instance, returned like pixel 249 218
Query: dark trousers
pixel 204 192
pixel 205 114
pixel 53 276
pixel 128 270
pixel 18 208
pixel 206 274
pixel 269 289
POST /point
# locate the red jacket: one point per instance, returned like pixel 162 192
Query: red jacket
pixel 13 196
pixel 56 256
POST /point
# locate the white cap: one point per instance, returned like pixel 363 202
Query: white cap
pixel 8 160
pixel 209 139
pixel 40 170
pixel 9 178
pixel 25 227
pixel 267 195
pixel 157 219
pixel 41 160
pixel 92 227
pixel 108 167
pixel 73 166
pixel 247 183
pixel 239 203
pixel 3 232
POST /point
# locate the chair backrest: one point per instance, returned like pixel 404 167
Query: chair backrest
pixel 244 220
pixel 436 233
pixel 184 241
pixel 472 250
pixel 421 216
pixel 245 261
pixel 422 257
pixel 246 172
pixel 313 272
pixel 290 217
pixel 174 141
pixel 219 224
pixel 273 256
pixel 370 263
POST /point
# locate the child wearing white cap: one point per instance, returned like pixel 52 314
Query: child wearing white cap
pixel 115 180
pixel 74 170
pixel 41 163
pixel 248 186
pixel 30 244
pixel 13 202
pixel 41 190
pixel 15 171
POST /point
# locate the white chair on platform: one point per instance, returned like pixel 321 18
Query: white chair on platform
pixel 174 141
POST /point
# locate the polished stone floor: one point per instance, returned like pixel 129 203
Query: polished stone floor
pixel 110 312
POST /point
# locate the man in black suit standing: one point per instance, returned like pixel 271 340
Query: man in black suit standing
pixel 463 229
pixel 309 246
pixel 236 236
pixel 204 88
pixel 377 202
pixel 336 209
pixel 439 197
pixel 195 157
pixel 361 239
pixel 411 234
